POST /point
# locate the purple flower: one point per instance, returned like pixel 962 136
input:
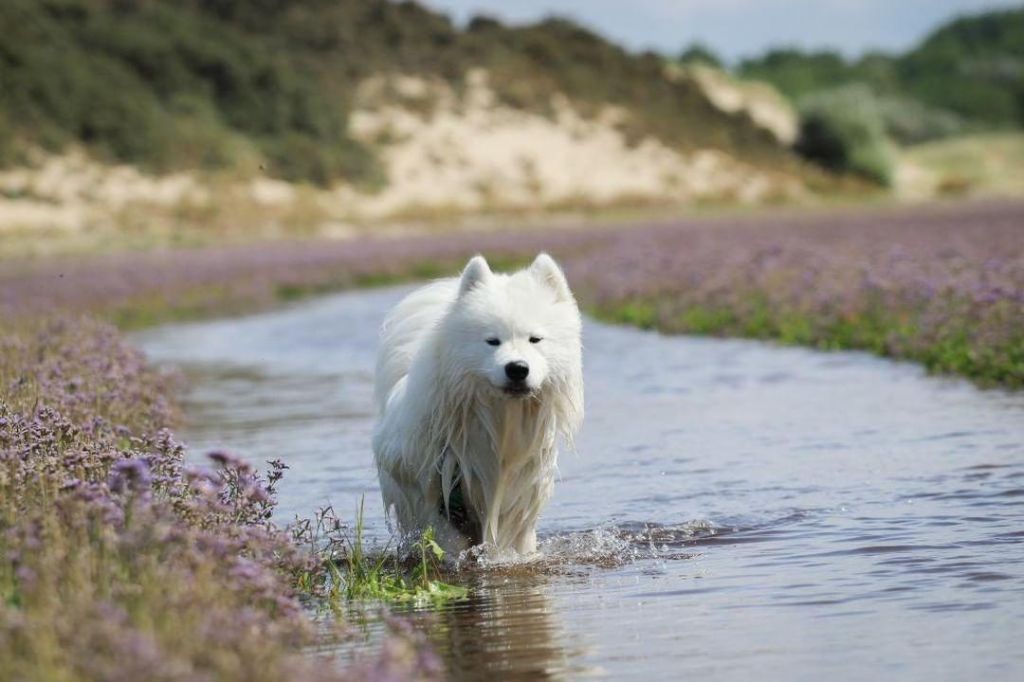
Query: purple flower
pixel 227 460
pixel 130 475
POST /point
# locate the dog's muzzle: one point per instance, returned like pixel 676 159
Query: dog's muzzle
pixel 517 372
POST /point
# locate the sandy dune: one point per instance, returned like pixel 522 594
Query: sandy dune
pixel 443 151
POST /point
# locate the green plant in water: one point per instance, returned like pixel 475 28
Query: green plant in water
pixel 385 578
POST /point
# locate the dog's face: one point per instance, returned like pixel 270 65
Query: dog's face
pixel 516 333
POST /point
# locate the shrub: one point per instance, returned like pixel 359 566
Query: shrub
pixel 699 53
pixel 843 130
pixel 908 121
pixel 972 66
pixel 8 144
pixel 166 87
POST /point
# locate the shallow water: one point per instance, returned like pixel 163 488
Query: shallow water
pixel 735 509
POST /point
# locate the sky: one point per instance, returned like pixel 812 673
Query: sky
pixel 740 28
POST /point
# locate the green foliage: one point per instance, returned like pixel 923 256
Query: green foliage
pixel 383 576
pixel 909 122
pixel 640 314
pixel 168 86
pixel 971 68
pixel 699 53
pixel 843 130
pixel 8 144
pixel 796 73
pixel 877 329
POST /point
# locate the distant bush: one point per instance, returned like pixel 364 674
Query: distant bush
pixel 166 86
pixel 699 53
pixel 296 156
pixel 972 67
pixel 908 121
pixel 843 130
pixel 8 150
pixel 796 73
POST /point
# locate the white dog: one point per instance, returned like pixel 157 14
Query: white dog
pixel 477 379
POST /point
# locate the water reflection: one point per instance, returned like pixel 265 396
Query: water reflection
pixel 507 629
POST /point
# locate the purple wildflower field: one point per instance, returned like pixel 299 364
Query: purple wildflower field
pixel 117 562
pixel 942 284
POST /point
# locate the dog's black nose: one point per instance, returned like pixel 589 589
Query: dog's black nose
pixel 517 371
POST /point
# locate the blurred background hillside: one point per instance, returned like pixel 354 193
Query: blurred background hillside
pixel 134 122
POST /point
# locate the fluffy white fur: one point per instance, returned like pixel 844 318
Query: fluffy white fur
pixel 458 438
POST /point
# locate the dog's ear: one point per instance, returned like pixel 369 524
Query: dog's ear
pixel 476 272
pixel 547 271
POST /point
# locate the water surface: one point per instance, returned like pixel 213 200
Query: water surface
pixel 735 510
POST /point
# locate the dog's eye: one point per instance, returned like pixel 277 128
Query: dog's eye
pixel 535 339
pixel 493 341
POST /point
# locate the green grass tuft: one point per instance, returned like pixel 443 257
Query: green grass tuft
pixel 385 577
